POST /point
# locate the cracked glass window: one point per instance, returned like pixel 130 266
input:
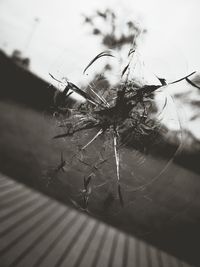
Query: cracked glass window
pixel 113 133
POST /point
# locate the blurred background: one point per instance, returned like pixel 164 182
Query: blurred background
pixel 42 37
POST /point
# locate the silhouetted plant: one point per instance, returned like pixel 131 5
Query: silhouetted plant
pixel 124 114
pixel 110 36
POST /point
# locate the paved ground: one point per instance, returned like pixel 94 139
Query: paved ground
pixel 36 231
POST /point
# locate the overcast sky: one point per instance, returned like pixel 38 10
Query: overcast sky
pixel 60 43
pixel 53 35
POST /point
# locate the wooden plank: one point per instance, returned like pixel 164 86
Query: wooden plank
pixel 7 200
pixel 10 191
pixel 57 254
pixel 39 252
pixel 104 254
pixel 94 247
pixel 142 255
pixel 37 231
pixel 7 184
pixel 76 251
pixel 118 259
pixel 17 206
pixel 21 217
pixel 18 232
pixel 132 257
pixel 17 249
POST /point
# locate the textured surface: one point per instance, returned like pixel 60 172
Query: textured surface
pixel 36 231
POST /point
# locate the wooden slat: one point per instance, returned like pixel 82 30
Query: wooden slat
pixel 43 249
pixel 118 259
pixel 94 247
pixel 131 262
pixel 36 231
pixel 13 197
pixel 20 232
pixel 10 191
pixel 58 253
pixel 15 248
pixel 35 236
pixel 104 254
pixel 22 216
pixel 143 257
pixel 17 207
pixel 7 184
pixel 75 253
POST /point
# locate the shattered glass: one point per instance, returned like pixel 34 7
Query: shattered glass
pixel 114 134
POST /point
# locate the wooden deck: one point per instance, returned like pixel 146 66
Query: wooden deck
pixel 36 231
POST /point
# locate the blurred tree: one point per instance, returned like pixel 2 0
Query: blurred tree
pixel 117 34
pixel 106 25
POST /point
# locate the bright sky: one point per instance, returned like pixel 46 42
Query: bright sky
pixel 59 42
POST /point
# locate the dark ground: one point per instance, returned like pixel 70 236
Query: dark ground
pixel 165 214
